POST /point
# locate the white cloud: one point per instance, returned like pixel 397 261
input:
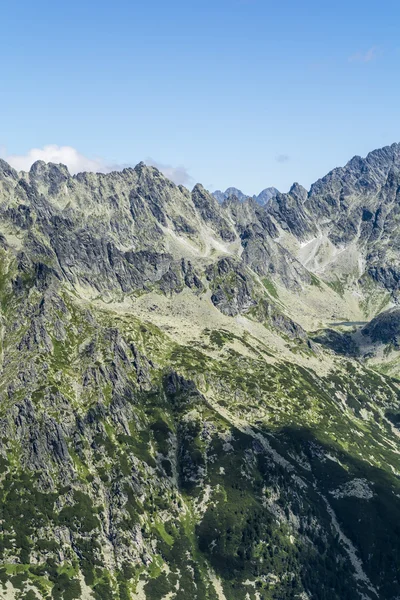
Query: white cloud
pixel 364 57
pixel 178 175
pixel 67 155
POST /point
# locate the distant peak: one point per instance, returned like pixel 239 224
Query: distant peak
pixel 266 195
pixel 232 191
pixel 228 193
pixel 262 198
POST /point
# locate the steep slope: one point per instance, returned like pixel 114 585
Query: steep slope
pixel 170 427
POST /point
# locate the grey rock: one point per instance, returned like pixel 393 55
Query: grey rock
pixel 232 287
pixel 384 328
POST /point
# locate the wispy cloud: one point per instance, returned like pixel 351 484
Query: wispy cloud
pixel 364 57
pixel 178 175
pixel 282 158
pixel 67 155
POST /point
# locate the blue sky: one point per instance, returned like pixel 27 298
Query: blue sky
pixel 245 93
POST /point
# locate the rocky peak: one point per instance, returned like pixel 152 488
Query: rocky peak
pixel 204 201
pixel 6 171
pixel 148 173
pixel 48 177
pixel 41 169
pixel 299 192
pixel 212 213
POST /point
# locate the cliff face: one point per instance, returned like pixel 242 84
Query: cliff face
pixel 171 425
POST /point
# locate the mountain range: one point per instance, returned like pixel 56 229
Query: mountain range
pixel 262 198
pixel 199 394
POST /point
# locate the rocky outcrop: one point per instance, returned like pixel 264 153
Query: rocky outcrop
pixel 232 287
pixel 384 328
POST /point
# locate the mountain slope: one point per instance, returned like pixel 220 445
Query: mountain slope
pixel 172 425
pixel 346 227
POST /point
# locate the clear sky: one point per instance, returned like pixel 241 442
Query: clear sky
pixel 245 93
